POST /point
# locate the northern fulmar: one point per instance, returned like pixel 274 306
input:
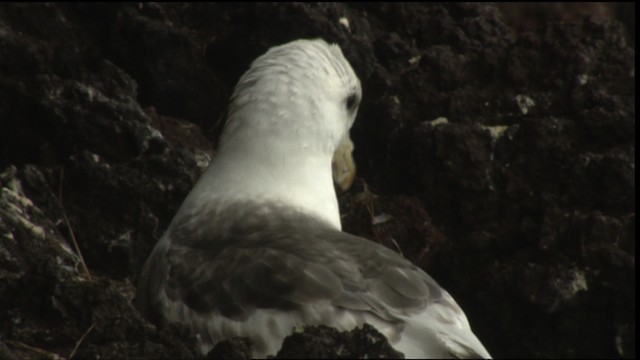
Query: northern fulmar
pixel 256 249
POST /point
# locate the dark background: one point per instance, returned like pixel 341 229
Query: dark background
pixel 521 203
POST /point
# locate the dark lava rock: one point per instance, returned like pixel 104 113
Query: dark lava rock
pixel 234 348
pixel 497 154
pixel 322 342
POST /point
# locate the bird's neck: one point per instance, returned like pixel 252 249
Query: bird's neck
pixel 291 177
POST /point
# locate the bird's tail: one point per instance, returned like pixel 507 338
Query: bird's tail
pixel 442 331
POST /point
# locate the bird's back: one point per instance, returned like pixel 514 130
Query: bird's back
pixel 260 271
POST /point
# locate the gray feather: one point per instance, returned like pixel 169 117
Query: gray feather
pixel 238 261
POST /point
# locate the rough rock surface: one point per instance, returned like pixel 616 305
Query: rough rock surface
pixel 501 160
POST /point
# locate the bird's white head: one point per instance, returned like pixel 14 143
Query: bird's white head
pixel 307 95
pixel 289 113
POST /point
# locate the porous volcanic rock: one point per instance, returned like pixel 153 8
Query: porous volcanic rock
pixel 500 158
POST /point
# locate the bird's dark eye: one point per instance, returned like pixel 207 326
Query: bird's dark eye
pixel 352 102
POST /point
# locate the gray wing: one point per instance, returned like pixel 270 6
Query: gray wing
pixel 283 261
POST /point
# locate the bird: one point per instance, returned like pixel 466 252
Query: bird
pixel 257 249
